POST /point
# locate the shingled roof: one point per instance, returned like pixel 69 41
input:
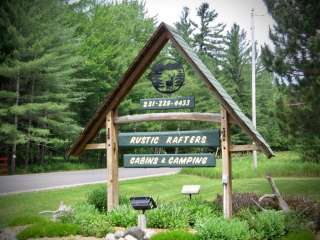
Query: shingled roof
pixel 152 48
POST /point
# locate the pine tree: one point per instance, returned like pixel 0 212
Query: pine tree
pixel 185 26
pixel 295 61
pixel 209 39
pixel 37 72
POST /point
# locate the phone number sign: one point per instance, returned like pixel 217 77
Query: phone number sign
pixel 167 103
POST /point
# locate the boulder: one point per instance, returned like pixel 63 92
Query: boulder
pixel 118 234
pixel 135 232
pixel 129 237
pixel 110 236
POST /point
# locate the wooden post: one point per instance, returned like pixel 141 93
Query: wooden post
pixel 226 164
pixel 112 161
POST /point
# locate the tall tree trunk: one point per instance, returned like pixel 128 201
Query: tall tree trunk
pixel 14 147
pixel 27 159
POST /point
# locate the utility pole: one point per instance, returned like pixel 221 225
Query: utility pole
pixel 253 94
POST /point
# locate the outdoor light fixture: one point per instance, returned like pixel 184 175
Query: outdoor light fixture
pixel 143 204
pixel 190 190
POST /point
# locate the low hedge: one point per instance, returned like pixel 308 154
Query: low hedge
pixel 175 235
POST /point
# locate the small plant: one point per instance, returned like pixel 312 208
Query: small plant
pixel 198 209
pixel 48 229
pixel 98 198
pixel 171 216
pixel 175 235
pixel 219 228
pixel 122 216
pixel 89 219
pixel 265 225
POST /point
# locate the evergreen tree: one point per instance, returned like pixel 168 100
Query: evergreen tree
pixel 185 26
pixel 209 39
pixel 295 61
pixel 236 59
pixel 37 84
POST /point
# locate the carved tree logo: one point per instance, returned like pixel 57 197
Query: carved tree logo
pixel 167 76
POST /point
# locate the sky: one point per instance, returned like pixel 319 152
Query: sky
pixel 229 12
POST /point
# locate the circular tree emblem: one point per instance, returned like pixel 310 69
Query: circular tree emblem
pixel 167 76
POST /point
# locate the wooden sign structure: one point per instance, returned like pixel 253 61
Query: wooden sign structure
pixel 106 115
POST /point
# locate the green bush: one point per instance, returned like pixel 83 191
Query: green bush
pixel 48 229
pixel 174 235
pixel 171 216
pixel 198 209
pixel 98 198
pixel 27 219
pixel 268 224
pixel 90 220
pixel 300 235
pixel 219 228
pixel 122 216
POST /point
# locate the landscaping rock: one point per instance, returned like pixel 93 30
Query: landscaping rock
pixel 135 232
pixel 119 234
pixel 129 237
pixel 148 234
pixel 110 236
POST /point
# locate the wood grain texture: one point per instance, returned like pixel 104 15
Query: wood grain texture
pixel 170 116
pixel 112 162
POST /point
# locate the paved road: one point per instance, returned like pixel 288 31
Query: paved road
pixel 43 181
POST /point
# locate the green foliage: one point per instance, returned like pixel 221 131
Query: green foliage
pixel 55 166
pixel 174 235
pixel 168 215
pixel 220 228
pixel 98 198
pixel 198 209
pixel 123 216
pixel 89 219
pixel 284 164
pixel 268 224
pixel 299 235
pixel 48 229
pixel 294 61
pixel 27 219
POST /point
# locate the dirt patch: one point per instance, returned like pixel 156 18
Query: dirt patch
pixel 10 233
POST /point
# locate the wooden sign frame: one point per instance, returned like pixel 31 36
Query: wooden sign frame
pixel 106 115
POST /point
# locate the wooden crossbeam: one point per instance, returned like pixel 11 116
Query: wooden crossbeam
pixel 244 148
pixel 170 116
pixel 93 146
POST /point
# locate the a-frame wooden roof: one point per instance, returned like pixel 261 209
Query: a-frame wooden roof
pixel 160 37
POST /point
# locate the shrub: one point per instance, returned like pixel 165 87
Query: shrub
pixel 198 209
pixel 122 216
pixel 98 198
pixel 90 220
pixel 27 219
pixel 268 224
pixel 170 216
pixel 222 229
pixel 174 235
pixel 48 229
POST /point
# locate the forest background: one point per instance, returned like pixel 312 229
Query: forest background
pixel 58 61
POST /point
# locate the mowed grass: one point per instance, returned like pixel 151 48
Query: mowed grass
pixel 166 188
pixel 284 164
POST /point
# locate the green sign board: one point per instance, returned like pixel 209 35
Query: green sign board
pixel 169 160
pixel 167 103
pixel 207 138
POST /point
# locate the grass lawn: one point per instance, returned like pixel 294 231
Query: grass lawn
pixel 284 164
pixel 166 187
